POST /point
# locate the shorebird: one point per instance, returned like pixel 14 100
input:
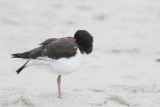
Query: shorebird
pixel 59 55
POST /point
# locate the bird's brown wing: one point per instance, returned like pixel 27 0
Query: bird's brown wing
pixel 64 47
pixel 52 48
pixel 48 41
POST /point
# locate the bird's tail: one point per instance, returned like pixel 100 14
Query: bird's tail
pixel 158 60
pixel 24 55
pixel 22 67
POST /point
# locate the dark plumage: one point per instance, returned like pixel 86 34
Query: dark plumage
pixel 84 42
pixel 52 48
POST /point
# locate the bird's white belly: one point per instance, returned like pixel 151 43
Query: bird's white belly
pixel 61 66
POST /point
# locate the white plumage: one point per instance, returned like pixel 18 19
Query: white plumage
pixel 60 66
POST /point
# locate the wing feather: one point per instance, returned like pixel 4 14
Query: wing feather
pixel 64 47
pixel 48 41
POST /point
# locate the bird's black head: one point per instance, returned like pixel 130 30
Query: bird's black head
pixel 84 40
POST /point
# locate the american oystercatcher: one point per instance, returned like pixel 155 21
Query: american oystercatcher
pixel 59 55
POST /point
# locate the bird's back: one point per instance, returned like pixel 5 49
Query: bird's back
pixel 52 48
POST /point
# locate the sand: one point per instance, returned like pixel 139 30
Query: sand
pixel 122 71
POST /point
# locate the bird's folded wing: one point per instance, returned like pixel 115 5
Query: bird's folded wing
pixel 55 49
pixel 48 41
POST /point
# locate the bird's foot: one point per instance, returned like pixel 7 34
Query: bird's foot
pixel 60 97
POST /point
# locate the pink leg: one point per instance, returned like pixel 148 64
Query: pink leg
pixel 59 88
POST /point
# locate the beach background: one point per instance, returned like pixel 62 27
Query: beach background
pixel 122 70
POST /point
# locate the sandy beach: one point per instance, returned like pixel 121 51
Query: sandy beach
pixel 122 70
